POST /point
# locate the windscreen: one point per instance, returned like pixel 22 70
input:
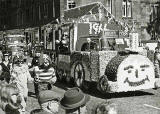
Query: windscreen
pixel 15 40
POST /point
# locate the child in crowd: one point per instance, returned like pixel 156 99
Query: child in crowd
pixel 10 100
pixel 106 108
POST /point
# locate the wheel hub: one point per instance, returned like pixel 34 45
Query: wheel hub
pixel 79 74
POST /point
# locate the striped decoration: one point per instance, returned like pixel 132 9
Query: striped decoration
pixel 44 75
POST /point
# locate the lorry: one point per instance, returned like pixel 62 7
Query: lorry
pixel 87 52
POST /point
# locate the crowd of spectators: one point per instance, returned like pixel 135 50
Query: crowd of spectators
pixel 14 76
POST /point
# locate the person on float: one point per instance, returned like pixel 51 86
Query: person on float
pixel 157 62
pixel 64 43
pixel 20 76
pixel 44 75
pixel 5 67
pixel 74 101
pixel 10 100
pixel 35 60
pixel 48 101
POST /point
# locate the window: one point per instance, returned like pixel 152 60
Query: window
pixel 126 8
pixel 27 15
pixel 39 12
pixel 109 5
pixel 92 46
pixel 45 10
pixel 71 4
pixel 154 13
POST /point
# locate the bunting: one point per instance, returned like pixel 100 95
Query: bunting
pixel 93 13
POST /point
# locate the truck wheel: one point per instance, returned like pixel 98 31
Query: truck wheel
pixel 103 84
pixel 79 74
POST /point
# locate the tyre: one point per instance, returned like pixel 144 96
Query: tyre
pixel 103 84
pixel 79 74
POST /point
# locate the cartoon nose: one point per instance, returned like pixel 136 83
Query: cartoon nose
pixel 136 73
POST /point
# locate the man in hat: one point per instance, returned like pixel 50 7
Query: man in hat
pixel 49 102
pixel 5 67
pixel 74 101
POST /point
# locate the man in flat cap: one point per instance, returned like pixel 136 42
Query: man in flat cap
pixel 49 102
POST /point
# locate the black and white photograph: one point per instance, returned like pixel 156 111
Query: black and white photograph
pixel 79 56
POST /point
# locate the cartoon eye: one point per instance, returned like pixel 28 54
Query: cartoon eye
pixel 142 69
pixel 129 71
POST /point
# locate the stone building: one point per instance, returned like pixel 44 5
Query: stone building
pixel 27 13
pixel 133 13
pixel 35 13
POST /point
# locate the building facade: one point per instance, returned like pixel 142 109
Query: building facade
pixel 22 14
pixel 133 13
pixel 27 13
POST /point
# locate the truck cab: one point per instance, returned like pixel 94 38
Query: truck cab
pixel 15 43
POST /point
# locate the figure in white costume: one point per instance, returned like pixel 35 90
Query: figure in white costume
pixel 20 76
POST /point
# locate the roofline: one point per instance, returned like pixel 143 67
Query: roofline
pixel 83 5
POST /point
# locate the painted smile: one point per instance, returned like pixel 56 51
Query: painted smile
pixel 134 84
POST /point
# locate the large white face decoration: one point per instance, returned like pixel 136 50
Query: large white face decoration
pixel 134 73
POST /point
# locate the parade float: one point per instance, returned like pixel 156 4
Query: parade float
pixel 101 51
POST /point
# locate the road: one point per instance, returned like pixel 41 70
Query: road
pixel 139 102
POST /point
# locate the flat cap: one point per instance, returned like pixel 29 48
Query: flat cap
pixel 48 95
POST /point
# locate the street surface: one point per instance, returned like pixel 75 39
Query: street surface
pixel 139 102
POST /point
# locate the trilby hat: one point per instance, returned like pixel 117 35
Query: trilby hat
pixel 73 98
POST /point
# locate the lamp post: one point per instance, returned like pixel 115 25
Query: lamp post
pixel 89 43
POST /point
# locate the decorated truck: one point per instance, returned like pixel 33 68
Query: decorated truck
pixel 92 46
pixel 83 55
